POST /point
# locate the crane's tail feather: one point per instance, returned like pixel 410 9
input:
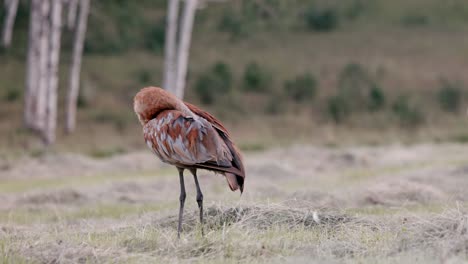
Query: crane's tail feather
pixel 232 182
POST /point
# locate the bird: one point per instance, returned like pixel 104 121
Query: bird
pixel 185 136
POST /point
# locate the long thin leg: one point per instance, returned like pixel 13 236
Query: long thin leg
pixel 181 199
pixel 199 197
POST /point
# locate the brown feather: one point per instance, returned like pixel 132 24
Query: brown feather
pixel 240 175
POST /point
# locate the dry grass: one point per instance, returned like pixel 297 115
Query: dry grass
pixel 354 205
pixel 260 233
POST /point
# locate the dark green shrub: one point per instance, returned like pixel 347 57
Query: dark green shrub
pixel 302 88
pixel 337 108
pixel 115 28
pixel 12 95
pixel 360 90
pixel 353 84
pixel 143 76
pixel 376 98
pixel 256 79
pixel 82 101
pixel 450 97
pixel 224 75
pixel 322 20
pixel 216 81
pixel 412 20
pixel 407 113
pixel 232 23
pixel 205 88
pixel 155 37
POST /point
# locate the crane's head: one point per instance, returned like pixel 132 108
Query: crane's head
pixel 151 101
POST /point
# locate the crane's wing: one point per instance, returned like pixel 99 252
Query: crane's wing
pixel 224 134
pixel 189 142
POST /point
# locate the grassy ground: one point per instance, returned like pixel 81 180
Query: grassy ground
pixel 325 205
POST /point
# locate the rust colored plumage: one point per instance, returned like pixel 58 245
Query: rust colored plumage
pixel 187 137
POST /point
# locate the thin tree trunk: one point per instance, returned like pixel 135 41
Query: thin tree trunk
pixel 72 12
pixel 40 119
pixel 53 64
pixel 12 8
pixel 184 46
pixel 73 91
pixel 32 71
pixel 170 45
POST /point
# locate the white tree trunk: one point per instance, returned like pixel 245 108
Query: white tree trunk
pixel 170 45
pixel 12 7
pixel 53 65
pixel 40 118
pixel 184 46
pixel 32 70
pixel 73 90
pixel 72 11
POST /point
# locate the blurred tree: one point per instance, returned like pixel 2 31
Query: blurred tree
pixel 11 7
pixel 52 70
pixel 72 12
pixel 170 67
pixel 185 37
pixel 74 85
pixel 177 54
pixel 32 65
pixel 40 110
pixel 43 61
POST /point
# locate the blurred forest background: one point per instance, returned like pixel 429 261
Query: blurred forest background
pixel 276 72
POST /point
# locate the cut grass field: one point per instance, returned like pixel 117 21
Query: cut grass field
pixel 301 205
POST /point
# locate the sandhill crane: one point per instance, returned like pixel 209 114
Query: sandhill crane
pixel 187 137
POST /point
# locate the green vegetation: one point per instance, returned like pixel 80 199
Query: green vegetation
pixel 450 97
pixel 82 101
pixel 155 36
pixel 358 92
pixel 413 20
pixel 407 112
pixel 376 98
pixel 356 85
pixel 216 81
pixel 337 108
pixel 256 78
pixel 144 77
pixel 12 94
pixel 232 23
pixel 321 20
pixel 303 88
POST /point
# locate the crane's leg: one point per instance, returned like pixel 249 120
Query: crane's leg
pixel 181 199
pixel 199 197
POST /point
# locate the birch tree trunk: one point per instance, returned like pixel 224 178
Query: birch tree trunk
pixel 72 11
pixel 184 46
pixel 11 7
pixel 170 45
pixel 73 90
pixel 32 70
pixel 40 118
pixel 52 67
